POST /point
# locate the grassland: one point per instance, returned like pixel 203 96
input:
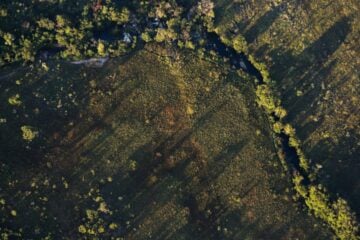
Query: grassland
pixel 159 144
pixel 311 50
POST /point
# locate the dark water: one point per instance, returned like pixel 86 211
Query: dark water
pixel 238 60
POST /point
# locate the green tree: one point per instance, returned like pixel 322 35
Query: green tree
pixel 46 24
pixel 265 98
pixel 8 38
pixel 101 48
pixel 27 50
pixel 61 21
pixel 146 36
pixel 239 44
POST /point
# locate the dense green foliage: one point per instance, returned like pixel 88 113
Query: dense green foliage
pixel 74 33
pixel 337 214
pixel 97 28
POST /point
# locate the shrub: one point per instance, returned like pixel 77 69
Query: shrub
pixel 15 100
pixel 28 133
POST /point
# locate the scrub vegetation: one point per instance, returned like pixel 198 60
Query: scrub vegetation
pixel 176 120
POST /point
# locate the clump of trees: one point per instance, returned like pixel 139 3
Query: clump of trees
pixel 71 34
pixel 337 214
pixel 237 42
pixel 169 24
pixel 262 69
pixel 205 10
pixel 76 32
pixel 267 100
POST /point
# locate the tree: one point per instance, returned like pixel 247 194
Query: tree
pixel 277 127
pixel 8 38
pixel 101 48
pixel 289 130
pixel 265 98
pixel 206 8
pixel 61 21
pixel 239 44
pixel 27 50
pixel 280 112
pixel 165 35
pixel 46 24
pixel 146 36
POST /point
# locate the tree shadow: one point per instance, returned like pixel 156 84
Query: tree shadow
pixel 311 85
pixel 313 57
pixel 329 42
pixel 263 23
pixel 48 103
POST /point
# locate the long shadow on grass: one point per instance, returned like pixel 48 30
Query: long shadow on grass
pixel 148 183
pixel 263 23
pixel 310 61
pixel 46 106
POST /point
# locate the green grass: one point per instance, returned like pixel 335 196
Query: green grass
pixel 311 52
pixel 161 144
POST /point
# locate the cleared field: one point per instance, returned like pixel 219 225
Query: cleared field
pixel 156 145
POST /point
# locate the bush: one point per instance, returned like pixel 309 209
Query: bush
pixel 15 100
pixel 28 133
